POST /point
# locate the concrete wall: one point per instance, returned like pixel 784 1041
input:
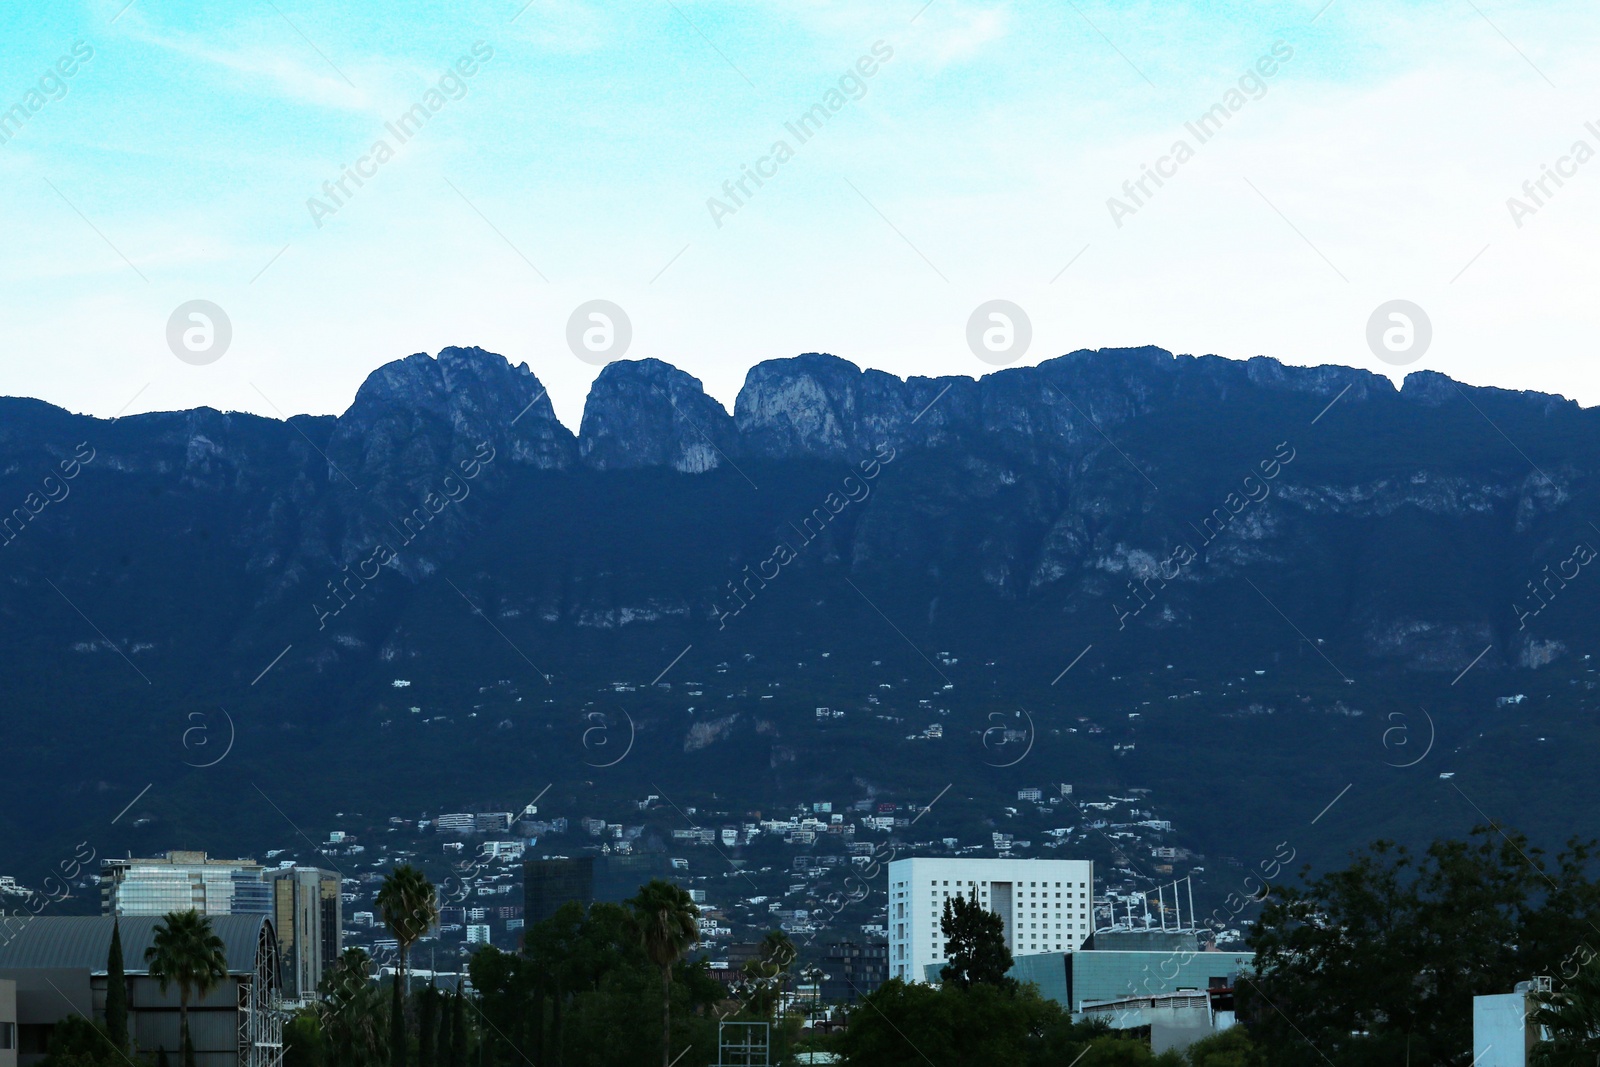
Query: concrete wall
pixel 8 1023
pixel 1499 1036
pixel 215 1035
pixel 42 998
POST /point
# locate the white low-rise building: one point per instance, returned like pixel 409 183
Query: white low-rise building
pixel 502 850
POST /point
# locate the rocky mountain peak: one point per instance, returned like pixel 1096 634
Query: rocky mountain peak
pixel 819 404
pixel 646 413
pixel 421 412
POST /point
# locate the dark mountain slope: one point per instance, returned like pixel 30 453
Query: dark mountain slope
pixel 1264 563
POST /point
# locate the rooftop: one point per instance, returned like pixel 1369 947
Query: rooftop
pixel 71 942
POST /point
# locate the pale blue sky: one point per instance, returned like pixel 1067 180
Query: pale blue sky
pixel 976 165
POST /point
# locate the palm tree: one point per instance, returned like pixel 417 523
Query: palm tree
pixel 186 951
pixel 348 975
pixel 777 955
pixel 1570 1018
pixel 410 909
pixel 766 974
pixel 352 1013
pixel 669 925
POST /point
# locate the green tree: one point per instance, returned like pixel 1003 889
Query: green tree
pixel 501 981
pixel 777 954
pixel 1126 1050
pixel 185 951
pixel 1570 1016
pixel 555 970
pixel 352 1013
pixel 669 927
pixel 446 1040
pixel 303 1041
pixel 584 993
pixel 458 1030
pixel 428 1027
pixel 975 943
pixel 116 991
pixel 899 1024
pixel 351 972
pixel 1231 1048
pixel 913 1024
pixel 766 976
pixel 410 908
pixel 571 959
pixel 1380 960
pixel 78 1042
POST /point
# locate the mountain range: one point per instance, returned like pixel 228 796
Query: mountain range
pixel 1240 584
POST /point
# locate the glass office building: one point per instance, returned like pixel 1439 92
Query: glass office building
pixel 181 881
pixel 307 914
pixel 549 883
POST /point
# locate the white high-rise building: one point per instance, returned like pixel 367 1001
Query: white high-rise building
pixel 1046 905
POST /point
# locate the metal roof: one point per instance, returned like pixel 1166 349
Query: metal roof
pixel 84 941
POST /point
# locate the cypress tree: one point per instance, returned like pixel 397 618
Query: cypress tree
pixel 458 1035
pixel 441 1055
pixel 427 1029
pixel 116 991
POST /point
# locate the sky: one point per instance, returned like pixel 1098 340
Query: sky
pixel 983 158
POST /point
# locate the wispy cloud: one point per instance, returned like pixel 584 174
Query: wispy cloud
pixel 568 27
pixel 958 32
pixel 287 68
